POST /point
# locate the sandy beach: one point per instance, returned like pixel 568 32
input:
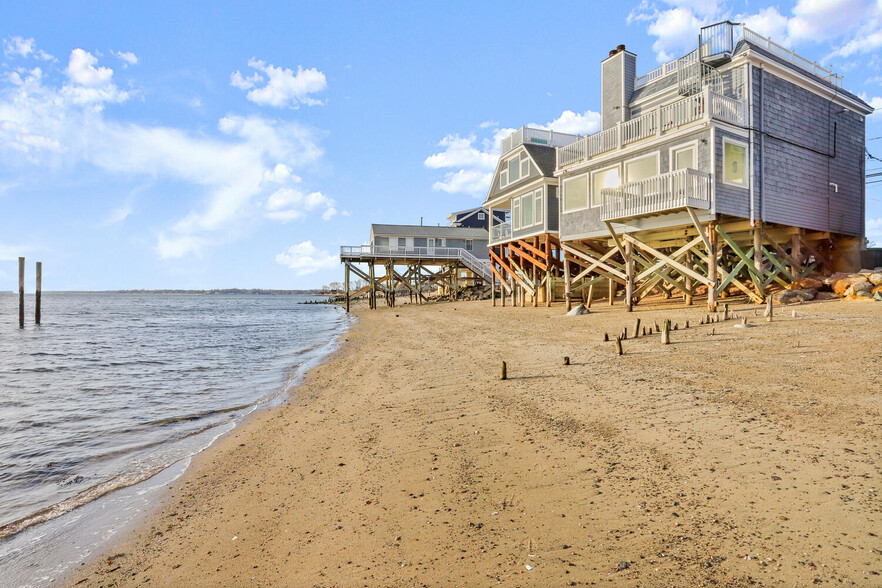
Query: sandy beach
pixel 750 456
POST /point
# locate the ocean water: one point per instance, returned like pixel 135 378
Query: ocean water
pixel 113 389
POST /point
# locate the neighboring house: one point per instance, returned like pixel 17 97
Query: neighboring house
pixel 525 246
pixel 475 218
pixel 414 237
pixel 739 152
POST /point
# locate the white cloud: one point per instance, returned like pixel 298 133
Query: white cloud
pixel 284 87
pixel 876 103
pixel 853 26
pixel 243 83
pixel 460 152
pixel 487 124
pixel 127 57
pixel 280 175
pixel 18 46
pixel 586 123
pixel 288 204
pixel 119 214
pixel 21 47
pixel 306 259
pixel 90 84
pixel 470 162
pixel 50 122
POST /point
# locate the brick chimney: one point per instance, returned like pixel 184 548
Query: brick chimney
pixel 618 74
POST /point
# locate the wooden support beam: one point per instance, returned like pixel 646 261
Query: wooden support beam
pixel 629 271
pixel 346 284
pixel 595 262
pixel 712 266
pixel 568 284
pixel 669 261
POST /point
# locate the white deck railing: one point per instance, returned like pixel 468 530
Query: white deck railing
pixel 535 137
pixel 500 232
pixel 662 193
pixel 479 266
pixel 657 74
pixel 654 123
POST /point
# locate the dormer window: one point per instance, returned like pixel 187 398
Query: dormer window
pixel 513 170
pixel 482 216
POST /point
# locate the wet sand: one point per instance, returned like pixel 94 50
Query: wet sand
pixel 748 456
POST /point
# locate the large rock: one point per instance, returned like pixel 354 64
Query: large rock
pixel 795 296
pixel 807 284
pixel 826 296
pixel 843 284
pixel 577 310
pixel 875 279
pixel 859 287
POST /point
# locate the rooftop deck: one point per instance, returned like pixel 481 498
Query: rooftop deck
pixel 529 136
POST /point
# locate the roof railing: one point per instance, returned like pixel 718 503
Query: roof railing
pixel 531 136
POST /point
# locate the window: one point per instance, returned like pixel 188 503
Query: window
pixel 575 193
pixel 514 170
pixel 470 245
pixel 605 178
pixel 482 216
pixel 420 242
pixel 683 158
pixel 402 241
pixel 527 210
pixel 431 242
pixel 641 168
pixel 515 213
pixel 734 163
pixel 537 197
pixel 381 241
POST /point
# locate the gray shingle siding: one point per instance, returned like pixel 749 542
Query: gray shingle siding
pixel 618 76
pixel 729 199
pixel 796 149
pixel 582 222
pixel 552 209
pixel 544 157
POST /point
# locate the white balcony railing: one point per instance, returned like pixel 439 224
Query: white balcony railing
pixel 658 73
pixel 527 135
pixel 500 232
pixel 480 267
pixel 662 193
pixel 654 123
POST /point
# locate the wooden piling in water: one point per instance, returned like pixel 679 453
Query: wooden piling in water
pixel 21 276
pixel 38 293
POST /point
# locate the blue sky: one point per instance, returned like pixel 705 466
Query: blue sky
pixel 204 145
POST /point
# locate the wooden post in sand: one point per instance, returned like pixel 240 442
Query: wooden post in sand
pixel 568 294
pixel 492 289
pixel 38 293
pixel 21 263
pixel 769 310
pixel 346 285
pixel 619 350
pixel 666 332
pixel 612 291
pixel 372 297
pixel 590 296
pixel 503 372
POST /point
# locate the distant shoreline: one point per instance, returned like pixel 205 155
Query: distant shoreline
pixel 194 292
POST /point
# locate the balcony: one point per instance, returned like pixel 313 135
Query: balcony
pixel 500 232
pixel 654 123
pixel 663 193
pixel 526 135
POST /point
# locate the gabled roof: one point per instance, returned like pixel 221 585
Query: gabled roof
pixel 429 231
pixel 543 157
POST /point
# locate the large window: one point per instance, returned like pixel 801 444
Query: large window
pixel 605 178
pixel 575 193
pixel 734 163
pixel 683 158
pixel 527 210
pixel 641 168
pixel 516 213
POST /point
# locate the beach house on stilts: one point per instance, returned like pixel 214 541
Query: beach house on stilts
pixel 525 253
pixel 736 166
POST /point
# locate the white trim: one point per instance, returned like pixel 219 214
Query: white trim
pixel 804 81
pixel 563 189
pixel 591 175
pixel 657 154
pixel 540 181
pixel 747 166
pixel 682 147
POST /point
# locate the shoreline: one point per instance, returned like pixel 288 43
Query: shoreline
pixel 128 497
pixel 403 459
